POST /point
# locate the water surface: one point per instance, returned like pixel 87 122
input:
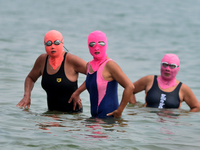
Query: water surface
pixel 139 33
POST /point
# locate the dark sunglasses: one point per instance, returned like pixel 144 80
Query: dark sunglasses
pixel 56 42
pixel 91 44
pixel 172 66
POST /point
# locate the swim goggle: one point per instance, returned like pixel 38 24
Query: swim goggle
pixel 91 44
pixel 172 66
pixel 56 42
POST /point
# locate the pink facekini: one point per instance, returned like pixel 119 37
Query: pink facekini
pixel 168 75
pixel 54 51
pixel 97 51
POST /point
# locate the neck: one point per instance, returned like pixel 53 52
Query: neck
pixel 164 84
pixel 55 62
pixel 96 62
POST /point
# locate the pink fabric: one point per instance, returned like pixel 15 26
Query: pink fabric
pixel 54 51
pixel 170 80
pixel 101 82
pixel 97 36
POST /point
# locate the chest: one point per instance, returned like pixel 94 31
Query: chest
pixel 160 99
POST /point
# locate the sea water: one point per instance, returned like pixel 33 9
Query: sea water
pixel 139 33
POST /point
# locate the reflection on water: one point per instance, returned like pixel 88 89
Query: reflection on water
pixel 78 126
pixel 46 125
pixel 147 125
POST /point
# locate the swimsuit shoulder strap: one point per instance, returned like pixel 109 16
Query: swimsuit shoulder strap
pixel 103 64
pixel 45 66
pixel 88 67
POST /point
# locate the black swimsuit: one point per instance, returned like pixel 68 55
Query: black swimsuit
pixel 59 89
pixel 159 99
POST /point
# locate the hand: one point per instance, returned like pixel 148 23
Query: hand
pixel 25 102
pixel 76 101
pixel 116 114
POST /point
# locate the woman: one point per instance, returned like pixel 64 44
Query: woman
pixel 165 91
pixel 103 76
pixel 59 71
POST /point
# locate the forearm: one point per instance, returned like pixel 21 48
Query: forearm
pixel 28 86
pixel 75 96
pixel 196 109
pixel 132 99
pixel 125 98
pixel 26 100
pixel 81 89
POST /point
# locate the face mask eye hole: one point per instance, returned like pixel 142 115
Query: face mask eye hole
pixel 101 43
pixel 57 42
pixel 91 44
pixel 172 66
pixel 164 64
pixel 48 43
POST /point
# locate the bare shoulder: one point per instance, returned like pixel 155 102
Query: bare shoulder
pixel 111 62
pixel 114 70
pixel 41 58
pixel 73 59
pixel 149 77
pixel 144 83
pixel 112 65
pixel 76 62
pixel 186 93
pixel 40 62
pixel 188 96
pixel 72 56
pixel 38 67
pixel 185 89
pixel 146 79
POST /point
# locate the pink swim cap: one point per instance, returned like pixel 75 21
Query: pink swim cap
pixel 54 51
pixel 52 36
pixel 96 37
pixel 170 59
pixel 168 75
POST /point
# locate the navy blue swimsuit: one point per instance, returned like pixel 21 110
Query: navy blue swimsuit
pixel 159 99
pixel 103 94
pixel 59 89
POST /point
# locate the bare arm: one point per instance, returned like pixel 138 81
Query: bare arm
pixel 30 80
pixel 190 98
pixel 118 75
pixel 76 96
pixel 132 99
pixel 143 83
pixel 78 63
